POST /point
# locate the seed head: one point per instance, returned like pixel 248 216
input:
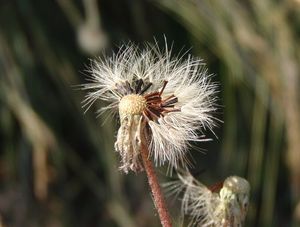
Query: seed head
pixel 210 206
pixel 165 100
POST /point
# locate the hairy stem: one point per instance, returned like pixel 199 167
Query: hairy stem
pixel 158 197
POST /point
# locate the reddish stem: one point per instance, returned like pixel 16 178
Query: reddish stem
pixel 158 197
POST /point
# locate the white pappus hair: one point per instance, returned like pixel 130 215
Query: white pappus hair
pixel 171 97
pixel 207 207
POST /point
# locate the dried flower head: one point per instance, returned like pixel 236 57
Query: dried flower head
pixel 162 99
pixel 208 207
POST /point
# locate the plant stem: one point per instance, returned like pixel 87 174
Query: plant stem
pixel 158 197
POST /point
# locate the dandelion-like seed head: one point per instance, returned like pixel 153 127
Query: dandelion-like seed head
pixel 206 207
pixel 235 194
pixel 162 101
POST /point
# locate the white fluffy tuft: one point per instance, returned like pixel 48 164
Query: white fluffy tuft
pixel 188 80
pixel 207 208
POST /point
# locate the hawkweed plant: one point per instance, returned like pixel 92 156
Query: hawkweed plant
pixel 225 204
pixel 162 102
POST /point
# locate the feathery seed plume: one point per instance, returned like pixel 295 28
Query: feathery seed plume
pixel 166 100
pixel 209 208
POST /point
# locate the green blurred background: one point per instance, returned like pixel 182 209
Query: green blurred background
pixel 58 166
